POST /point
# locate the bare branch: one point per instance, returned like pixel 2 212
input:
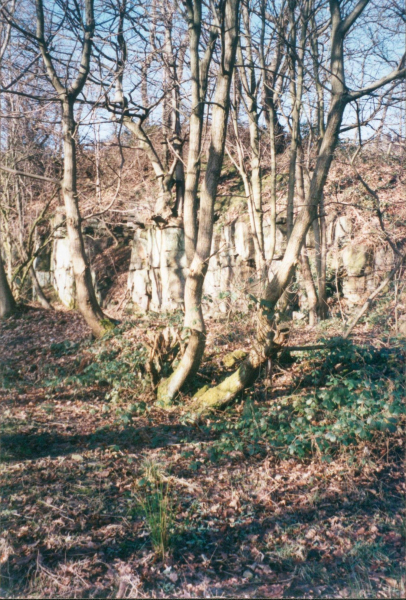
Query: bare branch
pixel 31 175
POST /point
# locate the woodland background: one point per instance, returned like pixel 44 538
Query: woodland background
pixel 202 298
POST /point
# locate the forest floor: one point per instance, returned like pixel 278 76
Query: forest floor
pixel 255 505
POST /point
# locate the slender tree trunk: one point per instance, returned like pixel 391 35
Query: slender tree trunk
pixel 7 303
pixel 296 88
pixel 272 124
pixel 85 294
pixel 309 287
pixel 304 257
pixel 194 284
pixel 254 205
pixel 323 307
pixel 256 185
pixel 319 88
pixel 199 73
pixel 272 210
pixel 292 173
pixel 319 230
pixel 195 133
pixel 248 79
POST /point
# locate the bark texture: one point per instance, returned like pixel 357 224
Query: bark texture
pixel 309 287
pixel 85 294
pixel 199 73
pixel 7 303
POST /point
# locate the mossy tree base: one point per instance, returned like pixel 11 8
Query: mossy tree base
pixel 217 398
pixel 187 368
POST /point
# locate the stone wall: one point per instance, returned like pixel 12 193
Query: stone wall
pixel 54 266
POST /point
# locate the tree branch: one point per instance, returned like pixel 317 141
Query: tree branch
pixel 353 16
pixel 78 84
pixel 32 175
pixel 44 51
pixel 399 73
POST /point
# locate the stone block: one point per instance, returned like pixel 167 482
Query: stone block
pixel 63 279
pixel 357 260
pixel 154 244
pixel 173 287
pixel 139 253
pixel 173 247
pixel 339 230
pixel 139 285
pixel 244 243
pixel 354 289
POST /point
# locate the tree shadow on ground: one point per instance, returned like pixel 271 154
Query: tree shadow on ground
pixel 39 444
pixel 233 558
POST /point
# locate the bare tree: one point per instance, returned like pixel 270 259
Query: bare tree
pixel 270 335
pixel 190 361
pixel 7 303
pixel 199 70
pixel 67 95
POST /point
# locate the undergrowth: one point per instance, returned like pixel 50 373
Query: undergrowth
pixel 115 363
pixel 350 395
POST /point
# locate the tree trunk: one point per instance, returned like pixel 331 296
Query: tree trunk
pixel 304 257
pixel 7 303
pixel 309 287
pixel 296 88
pixel 199 73
pixel 253 191
pixel 319 88
pixel 256 185
pixel 194 321
pixel 195 134
pixel 323 307
pixel 85 294
pixel 319 230
pixel 249 84
pixel 272 211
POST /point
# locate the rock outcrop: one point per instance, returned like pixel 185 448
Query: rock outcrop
pixel 157 268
